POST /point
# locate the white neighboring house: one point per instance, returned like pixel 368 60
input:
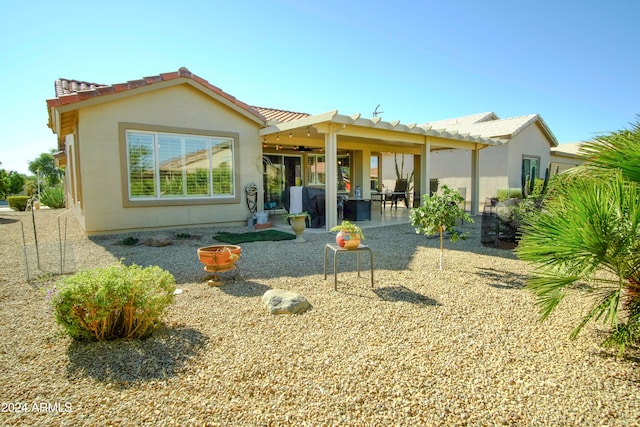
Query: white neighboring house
pixel 565 156
pixel 526 141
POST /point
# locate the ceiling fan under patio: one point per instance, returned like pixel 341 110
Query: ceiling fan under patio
pixel 303 148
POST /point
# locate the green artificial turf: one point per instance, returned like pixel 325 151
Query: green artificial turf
pixel 253 236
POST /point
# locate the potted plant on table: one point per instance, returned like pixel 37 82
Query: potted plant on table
pixel 298 223
pixel 349 235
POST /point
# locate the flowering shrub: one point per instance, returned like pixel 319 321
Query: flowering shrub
pixel 113 302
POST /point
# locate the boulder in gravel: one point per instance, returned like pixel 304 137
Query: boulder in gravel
pixel 279 301
pixel 157 242
pixel 504 209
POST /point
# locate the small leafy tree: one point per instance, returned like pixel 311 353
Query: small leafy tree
pixel 4 183
pixel 31 186
pixel 16 182
pixel 439 213
pixel 11 182
pixel 45 165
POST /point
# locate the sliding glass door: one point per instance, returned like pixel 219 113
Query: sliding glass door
pixel 280 172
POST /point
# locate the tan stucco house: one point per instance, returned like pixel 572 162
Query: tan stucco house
pixel 173 150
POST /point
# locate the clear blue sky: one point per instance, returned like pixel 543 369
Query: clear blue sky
pixel 573 62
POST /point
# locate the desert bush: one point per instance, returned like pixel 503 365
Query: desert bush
pixel 18 203
pixel 113 302
pixel 53 197
pixel 130 241
pixel 509 193
pixel 516 193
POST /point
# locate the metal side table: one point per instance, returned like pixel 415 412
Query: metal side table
pixel 337 250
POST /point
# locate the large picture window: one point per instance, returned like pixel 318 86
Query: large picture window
pixel 165 166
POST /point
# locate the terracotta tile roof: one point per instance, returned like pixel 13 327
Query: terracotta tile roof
pixel 280 116
pixel 71 87
pixel 70 91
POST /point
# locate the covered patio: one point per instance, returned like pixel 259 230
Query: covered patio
pixel 329 132
pixel 388 216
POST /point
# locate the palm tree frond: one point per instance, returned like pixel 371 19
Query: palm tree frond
pixel 607 307
pixel 589 231
pixel 549 289
pixel 617 150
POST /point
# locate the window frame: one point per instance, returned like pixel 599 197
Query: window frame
pixel 348 187
pixel 531 158
pixel 313 178
pixel 186 200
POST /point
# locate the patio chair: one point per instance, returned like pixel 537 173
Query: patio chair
pixel 399 193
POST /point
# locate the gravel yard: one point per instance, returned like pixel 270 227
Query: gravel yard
pixel 461 346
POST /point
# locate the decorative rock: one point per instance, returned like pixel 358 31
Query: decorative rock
pixel 504 209
pixel 157 242
pixel 280 301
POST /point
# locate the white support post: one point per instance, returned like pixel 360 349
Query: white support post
pixel 363 159
pixel 331 186
pixel 475 181
pixel 425 169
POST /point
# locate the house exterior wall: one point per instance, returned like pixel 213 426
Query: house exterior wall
pixel 500 166
pixel 530 142
pixel 73 185
pixel 181 107
pixel 453 169
pixel 561 161
pixel 561 164
pixel 388 169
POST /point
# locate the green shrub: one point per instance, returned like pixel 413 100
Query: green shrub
pixel 53 197
pixel 539 188
pixel 509 193
pixel 113 302
pixel 130 241
pixel 18 203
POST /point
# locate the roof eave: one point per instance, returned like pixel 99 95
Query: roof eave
pixel 332 117
pixel 105 93
pixel 295 124
pixel 536 118
pixel 546 130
